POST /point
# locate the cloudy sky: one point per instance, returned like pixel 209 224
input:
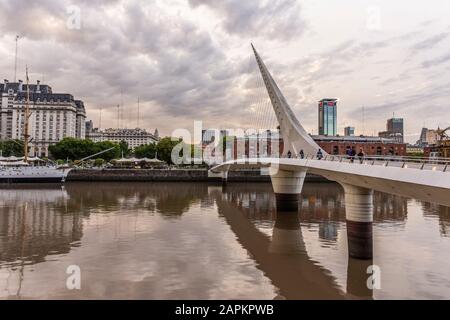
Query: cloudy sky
pixel 191 59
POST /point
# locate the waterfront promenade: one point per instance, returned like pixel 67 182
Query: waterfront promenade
pixel 176 174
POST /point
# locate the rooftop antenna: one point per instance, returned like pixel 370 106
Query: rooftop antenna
pixel 26 134
pixel 363 120
pixel 138 112
pixel 100 119
pixel 15 60
pixel 118 116
pixel 121 108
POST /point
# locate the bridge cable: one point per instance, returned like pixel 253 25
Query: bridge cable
pixel 259 100
pixel 253 93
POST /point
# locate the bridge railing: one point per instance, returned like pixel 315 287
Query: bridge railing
pixel 434 164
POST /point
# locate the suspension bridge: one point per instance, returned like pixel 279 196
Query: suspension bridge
pixel 427 180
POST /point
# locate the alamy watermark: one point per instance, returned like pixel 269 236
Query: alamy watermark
pixel 73 281
pixel 374 280
pixel 73 21
pixel 216 146
pixel 373 21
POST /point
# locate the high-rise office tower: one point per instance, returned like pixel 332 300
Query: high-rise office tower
pixel 328 117
pixel 394 130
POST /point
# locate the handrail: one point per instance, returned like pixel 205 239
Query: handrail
pixel 388 158
pixel 402 162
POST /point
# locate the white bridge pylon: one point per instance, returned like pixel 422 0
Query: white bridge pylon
pixel 295 137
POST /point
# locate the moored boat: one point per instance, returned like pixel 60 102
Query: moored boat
pixel 22 172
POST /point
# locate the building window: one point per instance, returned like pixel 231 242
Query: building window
pixel 335 150
pixel 379 151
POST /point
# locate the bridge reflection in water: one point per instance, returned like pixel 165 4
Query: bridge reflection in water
pixel 285 251
pixel 39 228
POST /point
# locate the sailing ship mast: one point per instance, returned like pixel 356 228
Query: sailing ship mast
pixel 21 172
pixel 26 135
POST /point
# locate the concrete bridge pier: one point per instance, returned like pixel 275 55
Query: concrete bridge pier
pixel 287 186
pixel 224 178
pixel 359 217
pixel 287 235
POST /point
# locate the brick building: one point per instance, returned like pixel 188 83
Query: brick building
pixel 371 146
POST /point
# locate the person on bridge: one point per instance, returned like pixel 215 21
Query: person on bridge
pixel 348 152
pixel 319 154
pixel 361 155
pixel 352 154
pixel 301 154
pixel 289 154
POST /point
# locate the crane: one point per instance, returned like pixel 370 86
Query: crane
pixel 443 136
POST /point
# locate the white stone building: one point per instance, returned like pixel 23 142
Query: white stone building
pixel 54 116
pixel 134 137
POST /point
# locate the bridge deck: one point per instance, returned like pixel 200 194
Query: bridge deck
pixel 429 182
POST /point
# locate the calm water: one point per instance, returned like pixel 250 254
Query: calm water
pixel 199 241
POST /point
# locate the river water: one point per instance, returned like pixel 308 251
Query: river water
pixel 205 241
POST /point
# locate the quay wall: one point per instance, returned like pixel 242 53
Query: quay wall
pixel 168 175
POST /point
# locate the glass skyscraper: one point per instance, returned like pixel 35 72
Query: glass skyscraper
pixel 394 130
pixel 395 125
pixel 328 117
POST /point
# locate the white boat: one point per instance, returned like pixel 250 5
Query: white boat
pixel 22 172
pixel 26 169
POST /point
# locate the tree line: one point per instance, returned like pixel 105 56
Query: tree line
pixel 77 149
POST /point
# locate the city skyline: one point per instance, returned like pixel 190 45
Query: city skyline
pixel 191 60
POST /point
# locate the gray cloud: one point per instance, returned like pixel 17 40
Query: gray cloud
pixel 436 61
pixel 429 43
pixel 278 19
pixel 182 70
pixel 170 63
pixel 418 101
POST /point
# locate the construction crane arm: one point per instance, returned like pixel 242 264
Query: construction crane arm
pixel 443 134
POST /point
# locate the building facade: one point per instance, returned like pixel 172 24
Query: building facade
pixel 134 137
pixel 428 137
pixel 349 131
pixel 372 146
pixel 53 116
pixel 395 125
pixel 394 130
pixel 328 117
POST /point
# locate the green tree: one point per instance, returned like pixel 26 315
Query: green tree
pixel 11 148
pixel 124 150
pixel 164 148
pixel 76 149
pixel 72 148
pixel 145 151
pixel 104 145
